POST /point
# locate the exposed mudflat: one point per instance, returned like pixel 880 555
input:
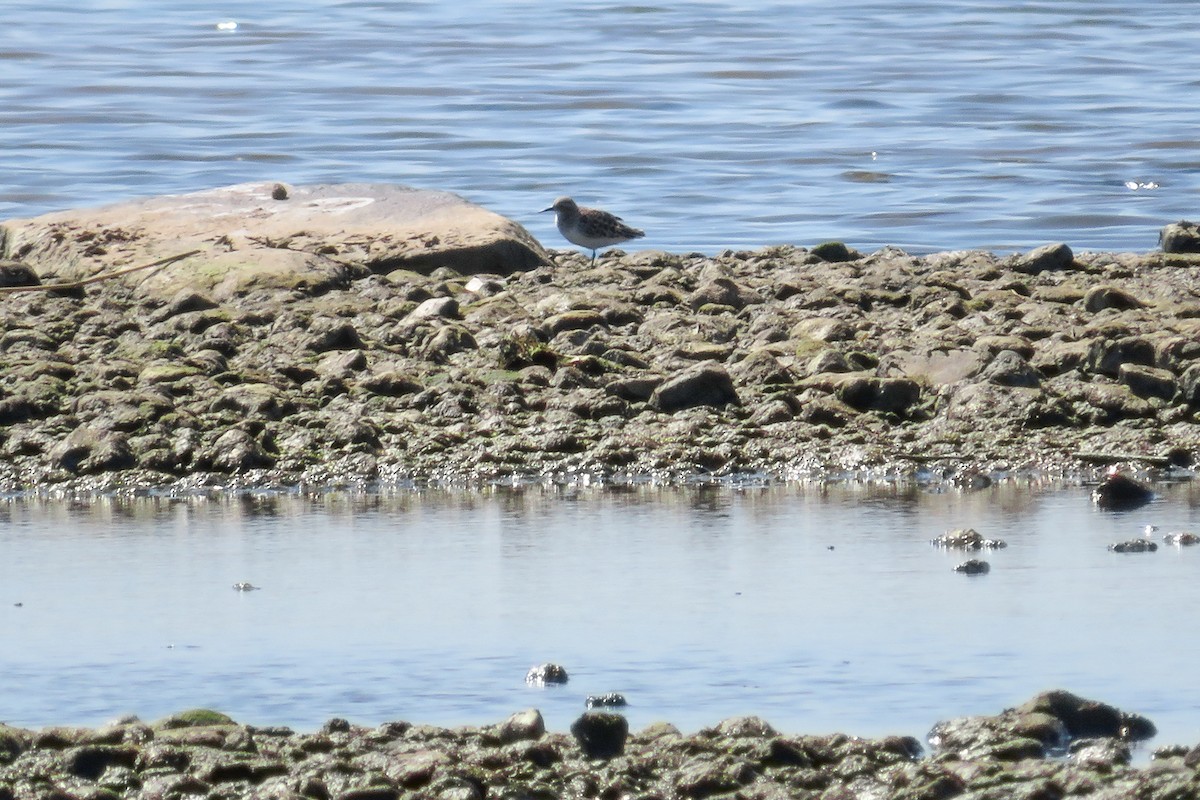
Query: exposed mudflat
pixel 782 361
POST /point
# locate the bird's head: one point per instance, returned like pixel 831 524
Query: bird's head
pixel 562 205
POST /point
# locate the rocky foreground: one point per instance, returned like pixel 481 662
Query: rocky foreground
pixel 1056 745
pixel 325 347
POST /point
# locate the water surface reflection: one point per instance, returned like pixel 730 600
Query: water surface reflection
pixel 819 607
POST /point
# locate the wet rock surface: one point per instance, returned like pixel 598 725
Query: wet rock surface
pixel 543 674
pixel 1056 745
pixel 1180 237
pixel 1119 492
pixel 966 539
pixel 1045 725
pixel 327 357
pixel 1133 546
pixel 609 700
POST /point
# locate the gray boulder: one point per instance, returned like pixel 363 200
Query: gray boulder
pixel 1180 237
pixel 1098 298
pixel 890 395
pixel 601 734
pixel 1148 381
pixel 1085 718
pixel 707 384
pixel 544 674
pixel 1133 546
pixel 741 727
pixel 525 725
pixel 237 451
pixel 1120 493
pixel 1106 356
pixel 1009 368
pixel 721 291
pixel 966 539
pixel 1046 724
pixel 609 700
pixel 1056 256
pixel 315 238
pixel 91 450
pixel 835 252
pixel 1190 384
pixel 16 273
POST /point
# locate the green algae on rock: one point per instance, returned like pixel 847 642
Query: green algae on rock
pixel 194 718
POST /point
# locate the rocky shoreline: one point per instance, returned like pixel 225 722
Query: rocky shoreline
pixel 785 362
pixel 326 345
pixel 1054 746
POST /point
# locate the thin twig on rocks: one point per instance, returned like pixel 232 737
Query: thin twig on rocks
pixel 1118 458
pixel 54 287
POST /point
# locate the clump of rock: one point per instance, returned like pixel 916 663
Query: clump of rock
pixel 1133 546
pixel 546 674
pixel 316 340
pixel 1180 237
pixel 1121 493
pixel 1045 725
pixel 202 753
pixel 967 539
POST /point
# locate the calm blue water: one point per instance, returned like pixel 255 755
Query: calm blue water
pixel 819 608
pixel 928 125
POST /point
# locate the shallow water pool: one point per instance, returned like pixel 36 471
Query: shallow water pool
pixel 820 608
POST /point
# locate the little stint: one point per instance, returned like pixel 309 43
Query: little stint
pixel 590 227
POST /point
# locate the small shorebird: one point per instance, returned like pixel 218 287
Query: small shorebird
pixel 590 227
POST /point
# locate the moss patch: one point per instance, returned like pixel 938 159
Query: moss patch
pixel 194 718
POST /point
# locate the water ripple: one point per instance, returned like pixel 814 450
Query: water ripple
pixel 710 125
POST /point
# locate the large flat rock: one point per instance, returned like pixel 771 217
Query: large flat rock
pixel 266 234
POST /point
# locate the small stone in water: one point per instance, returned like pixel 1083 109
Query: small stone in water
pixel 611 699
pixel 1133 546
pixel 1119 493
pixel 543 674
pixel 967 539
